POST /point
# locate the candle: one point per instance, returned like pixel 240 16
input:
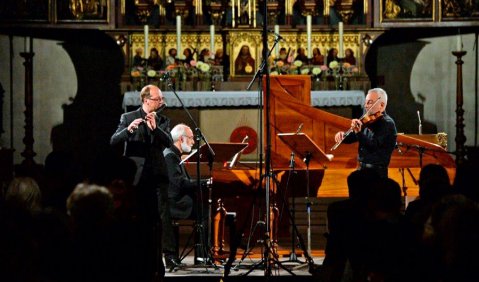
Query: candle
pixel 212 39
pixel 254 12
pixel 459 43
pixel 239 12
pixel 178 35
pixel 341 48
pixel 249 12
pixel 27 44
pixel 233 13
pixel 146 40
pixel 276 48
pixel 308 31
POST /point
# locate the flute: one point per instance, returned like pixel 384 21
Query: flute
pixel 155 113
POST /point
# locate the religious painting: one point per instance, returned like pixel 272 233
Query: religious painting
pixel 406 10
pixel 244 62
pixel 455 9
pixel 82 10
pixel 24 11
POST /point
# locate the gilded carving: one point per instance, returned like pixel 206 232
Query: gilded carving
pixel 81 9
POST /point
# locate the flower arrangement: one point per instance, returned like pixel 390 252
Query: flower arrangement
pixel 151 73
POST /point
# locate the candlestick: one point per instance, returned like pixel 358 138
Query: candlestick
pixel 145 28
pixel 308 31
pixel 341 48
pixel 460 136
pixel 276 48
pixel 178 35
pixel 212 39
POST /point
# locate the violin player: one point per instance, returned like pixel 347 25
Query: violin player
pixel 375 131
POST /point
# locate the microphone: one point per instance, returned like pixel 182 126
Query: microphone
pixel 275 34
pixel 165 76
pixel 299 128
pixel 420 124
pixel 291 161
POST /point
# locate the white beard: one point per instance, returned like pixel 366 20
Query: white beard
pixel 185 148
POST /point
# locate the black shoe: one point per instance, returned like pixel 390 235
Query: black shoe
pixel 173 262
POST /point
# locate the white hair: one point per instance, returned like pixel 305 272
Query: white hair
pixel 382 94
pixel 178 131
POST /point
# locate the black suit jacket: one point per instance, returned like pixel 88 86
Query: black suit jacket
pixel 181 188
pixel 145 146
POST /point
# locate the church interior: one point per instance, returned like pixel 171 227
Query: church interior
pixel 249 77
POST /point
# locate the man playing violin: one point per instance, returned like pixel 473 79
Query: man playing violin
pixel 375 132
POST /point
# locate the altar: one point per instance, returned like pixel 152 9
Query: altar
pixel 206 99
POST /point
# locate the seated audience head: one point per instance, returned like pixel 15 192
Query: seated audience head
pixel 90 205
pixel 359 182
pixel 434 182
pixel 24 192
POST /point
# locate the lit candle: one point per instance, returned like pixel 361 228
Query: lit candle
pixel 308 31
pixel 276 48
pixel 178 35
pixel 341 48
pixel 459 43
pixel 146 40
pixel 212 39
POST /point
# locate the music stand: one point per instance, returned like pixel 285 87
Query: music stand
pixel 304 147
pixel 223 153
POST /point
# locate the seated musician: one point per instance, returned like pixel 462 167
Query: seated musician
pixel 182 189
pixel 375 132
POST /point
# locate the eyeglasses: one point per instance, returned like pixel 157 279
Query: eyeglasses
pixel 156 99
pixel 189 137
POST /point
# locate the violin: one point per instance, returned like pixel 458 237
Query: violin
pixel 366 120
pixel 369 119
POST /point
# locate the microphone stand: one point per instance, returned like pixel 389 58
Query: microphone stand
pixel 205 244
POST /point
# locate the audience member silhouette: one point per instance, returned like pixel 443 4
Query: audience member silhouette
pixel 34 244
pixel 344 250
pixel 465 175
pixel 434 183
pixel 452 232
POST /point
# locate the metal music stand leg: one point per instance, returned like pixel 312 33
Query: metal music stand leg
pixel 306 160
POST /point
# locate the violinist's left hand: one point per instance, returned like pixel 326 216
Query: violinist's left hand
pixel 356 125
